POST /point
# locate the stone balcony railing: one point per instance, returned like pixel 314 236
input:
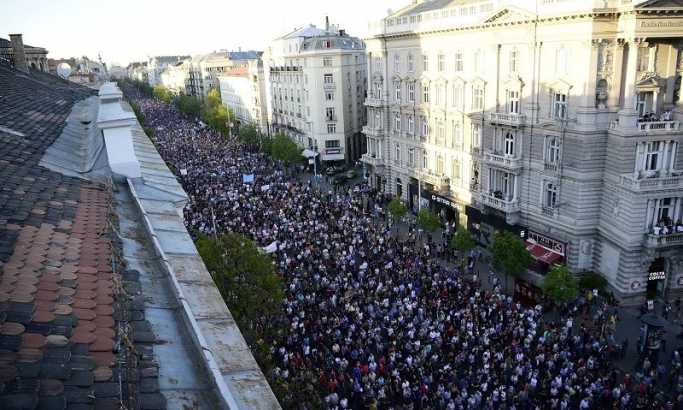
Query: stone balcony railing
pixel 372 160
pixel 372 131
pixel 503 160
pixel 650 127
pixel 663 241
pixel 507 118
pixel 507 206
pixel 376 102
pixel 672 180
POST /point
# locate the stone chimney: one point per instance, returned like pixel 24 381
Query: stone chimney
pixel 327 23
pixel 18 52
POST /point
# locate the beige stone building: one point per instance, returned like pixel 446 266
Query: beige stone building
pixel 21 55
pixel 555 119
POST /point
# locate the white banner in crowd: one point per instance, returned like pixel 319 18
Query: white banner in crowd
pixel 270 248
pixel 265 188
pixel 183 172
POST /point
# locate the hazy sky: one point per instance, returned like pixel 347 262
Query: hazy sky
pixel 129 30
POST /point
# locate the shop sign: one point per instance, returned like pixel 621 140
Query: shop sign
pixel 548 243
pixel 659 275
pixel 444 201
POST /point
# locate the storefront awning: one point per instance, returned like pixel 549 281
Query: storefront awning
pixel 542 254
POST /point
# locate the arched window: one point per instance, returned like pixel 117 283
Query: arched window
pixel 509 144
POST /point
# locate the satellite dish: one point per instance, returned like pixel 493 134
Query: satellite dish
pixel 64 69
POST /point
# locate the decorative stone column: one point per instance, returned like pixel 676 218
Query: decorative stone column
pixel 628 116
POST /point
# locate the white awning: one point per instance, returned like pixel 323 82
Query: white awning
pixel 307 153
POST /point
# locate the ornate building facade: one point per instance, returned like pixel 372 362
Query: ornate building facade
pixel 557 120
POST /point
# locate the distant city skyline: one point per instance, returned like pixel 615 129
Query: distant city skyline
pixel 134 30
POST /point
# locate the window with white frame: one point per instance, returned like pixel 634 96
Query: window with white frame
pixel 425 127
pixel 509 145
pixel 425 159
pixel 327 61
pixel 425 62
pixel 411 63
pixel 552 150
pixel 653 150
pixel 425 93
pixel 328 79
pixel 441 63
pixel 477 98
pixel 643 58
pixel 411 92
pixel 397 153
pixel 513 101
pixel 378 90
pixel 411 125
pixel 332 144
pixel 458 61
pixel 329 114
pixel 456 131
pixel 329 96
pixel 665 209
pixel 456 95
pixel 476 135
pixel 397 91
pixel 397 63
pixel 560 105
pixel 438 92
pixel 455 169
pixel 439 165
pixel 440 133
pixel 397 122
pixel 514 60
pixel 331 128
pixel 551 195
pixel 378 120
pixel 411 157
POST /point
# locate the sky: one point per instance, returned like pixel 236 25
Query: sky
pixel 134 29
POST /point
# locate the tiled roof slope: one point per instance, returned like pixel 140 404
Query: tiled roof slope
pixel 62 302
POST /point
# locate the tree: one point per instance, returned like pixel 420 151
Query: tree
pixel 189 105
pixel 284 149
pixel 592 280
pixel 427 220
pixel 249 135
pixel 463 242
pixel 251 288
pixel 215 114
pixel 397 210
pixel 509 255
pixel 162 93
pixel 560 285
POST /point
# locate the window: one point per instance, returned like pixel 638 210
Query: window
pixel 332 144
pixel 551 195
pixel 456 96
pixel 509 145
pixel 425 93
pixel 643 58
pixel 327 61
pixel 440 133
pixel 378 120
pixel 329 96
pixel 328 79
pixel 476 135
pixel 439 165
pixel 477 98
pixel 397 63
pixel 425 63
pixel 438 93
pixel 514 60
pixel 425 127
pixel 329 114
pixel 411 63
pixel 455 169
pixel 411 92
pixel 397 92
pixel 441 62
pixel 458 66
pixel 397 122
pixel 411 125
pixel 513 102
pixel 560 106
pixel 665 209
pixel 327 44
pixel 378 90
pixel 411 157
pixel 552 150
pixel 331 128
pixel 425 159
pixel 652 156
pixel 397 153
pixel 456 133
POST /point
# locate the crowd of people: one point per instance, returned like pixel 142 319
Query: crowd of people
pixel 374 321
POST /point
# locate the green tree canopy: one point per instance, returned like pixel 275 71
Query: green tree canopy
pixel 508 254
pixel 215 114
pixel 249 135
pixel 462 240
pixel 248 283
pixel 396 208
pixel 189 105
pixel 427 220
pixel 560 285
pixel 592 280
pixel 162 93
pixel 284 149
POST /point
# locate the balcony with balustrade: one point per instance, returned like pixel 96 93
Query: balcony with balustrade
pixel 507 118
pixel 649 127
pixel 491 199
pixel 650 181
pixel 372 160
pixel 503 161
pixel 661 240
pixel 376 102
pixel 372 131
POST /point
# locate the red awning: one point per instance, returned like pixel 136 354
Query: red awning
pixel 542 254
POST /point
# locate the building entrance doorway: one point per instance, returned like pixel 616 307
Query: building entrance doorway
pixel 656 279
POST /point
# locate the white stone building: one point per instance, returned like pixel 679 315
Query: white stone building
pixel 243 91
pixel 555 119
pixel 316 81
pixel 156 65
pixel 175 77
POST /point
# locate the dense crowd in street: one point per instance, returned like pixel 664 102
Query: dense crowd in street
pixel 376 322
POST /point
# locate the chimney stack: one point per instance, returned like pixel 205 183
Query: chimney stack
pixel 327 23
pixel 18 52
